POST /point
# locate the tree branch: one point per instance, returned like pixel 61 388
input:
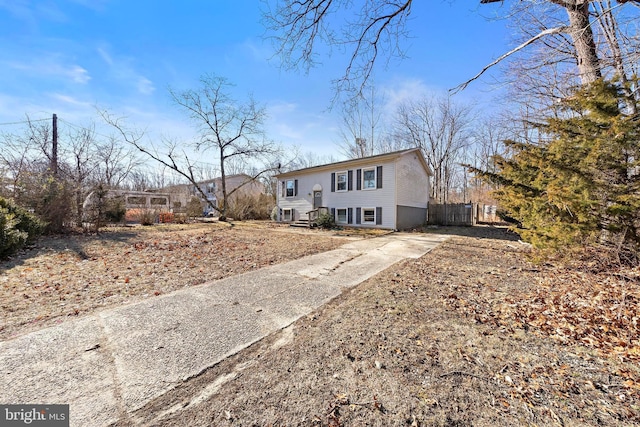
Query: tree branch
pixel 542 34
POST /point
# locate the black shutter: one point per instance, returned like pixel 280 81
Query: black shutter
pixel 350 215
pixel 359 179
pixel 358 214
pixel 378 215
pixel 379 177
pixel 295 187
pixel 349 180
pixel 333 213
pixel 284 188
pixel 293 214
pixel 333 182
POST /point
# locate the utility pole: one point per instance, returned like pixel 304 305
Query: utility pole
pixel 54 147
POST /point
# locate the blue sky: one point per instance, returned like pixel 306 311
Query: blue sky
pixel 69 56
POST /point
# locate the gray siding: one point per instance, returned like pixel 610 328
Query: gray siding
pixel 411 217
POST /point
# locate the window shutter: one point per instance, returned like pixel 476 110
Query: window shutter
pixel 284 188
pixel 358 215
pixel 350 215
pixel 349 180
pixel 293 214
pixel 333 213
pixel 378 216
pixel 333 182
pixel 295 187
pixel 359 179
pixel 379 177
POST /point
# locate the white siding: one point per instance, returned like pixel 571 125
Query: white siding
pixel 412 182
pixel 380 197
pixel 405 182
pixel 303 201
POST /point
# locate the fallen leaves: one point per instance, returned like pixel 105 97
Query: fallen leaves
pixel 125 265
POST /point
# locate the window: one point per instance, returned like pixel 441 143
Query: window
pixel 341 181
pixel 341 216
pixel 136 200
pixel 368 216
pixel 291 185
pixel 368 179
pixel 286 214
pixel 159 201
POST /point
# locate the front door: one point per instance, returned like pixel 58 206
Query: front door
pixel 317 199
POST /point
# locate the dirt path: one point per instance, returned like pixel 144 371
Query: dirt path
pixel 426 342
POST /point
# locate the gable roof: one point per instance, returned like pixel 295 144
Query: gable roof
pixel 363 161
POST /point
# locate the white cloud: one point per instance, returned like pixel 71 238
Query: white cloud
pixel 145 86
pixel 403 90
pixel 70 100
pixel 52 65
pixel 123 70
pixel 257 52
pixel 105 56
pixel 78 74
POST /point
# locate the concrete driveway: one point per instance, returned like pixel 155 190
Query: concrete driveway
pixel 112 362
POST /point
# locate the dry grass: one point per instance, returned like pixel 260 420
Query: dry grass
pixel 403 349
pixel 459 337
pixel 73 275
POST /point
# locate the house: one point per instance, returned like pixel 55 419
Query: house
pixel 383 191
pixel 182 194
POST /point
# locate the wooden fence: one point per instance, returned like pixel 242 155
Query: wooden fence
pixel 452 214
pixel 467 214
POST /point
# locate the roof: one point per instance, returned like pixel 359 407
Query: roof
pixel 361 162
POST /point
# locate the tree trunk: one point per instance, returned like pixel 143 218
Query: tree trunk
pixel 222 210
pixel 582 35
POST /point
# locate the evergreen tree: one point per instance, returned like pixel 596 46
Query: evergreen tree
pixel 582 185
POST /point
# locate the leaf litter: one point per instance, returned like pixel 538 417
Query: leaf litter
pixel 472 333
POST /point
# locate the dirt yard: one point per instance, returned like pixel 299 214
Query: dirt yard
pixel 61 277
pixel 470 334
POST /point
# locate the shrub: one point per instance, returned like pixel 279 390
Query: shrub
pixel 166 217
pixel 194 208
pixel 115 209
pixel 326 220
pixel 17 227
pixel 180 218
pixel 103 206
pixel 142 215
pixel 147 216
pixel 249 206
pixel 54 204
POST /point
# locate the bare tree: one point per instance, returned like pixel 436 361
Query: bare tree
pixel 361 127
pixel 297 28
pixel 79 166
pixel 489 135
pixel 18 158
pixel 231 130
pixel 569 41
pixel 442 129
pixel 115 163
pixel 300 29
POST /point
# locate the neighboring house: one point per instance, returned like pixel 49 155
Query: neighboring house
pixel 384 191
pixel 181 194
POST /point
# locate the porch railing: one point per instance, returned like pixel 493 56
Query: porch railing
pixel 315 214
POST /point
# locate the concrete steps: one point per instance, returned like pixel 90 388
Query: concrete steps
pixel 302 223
